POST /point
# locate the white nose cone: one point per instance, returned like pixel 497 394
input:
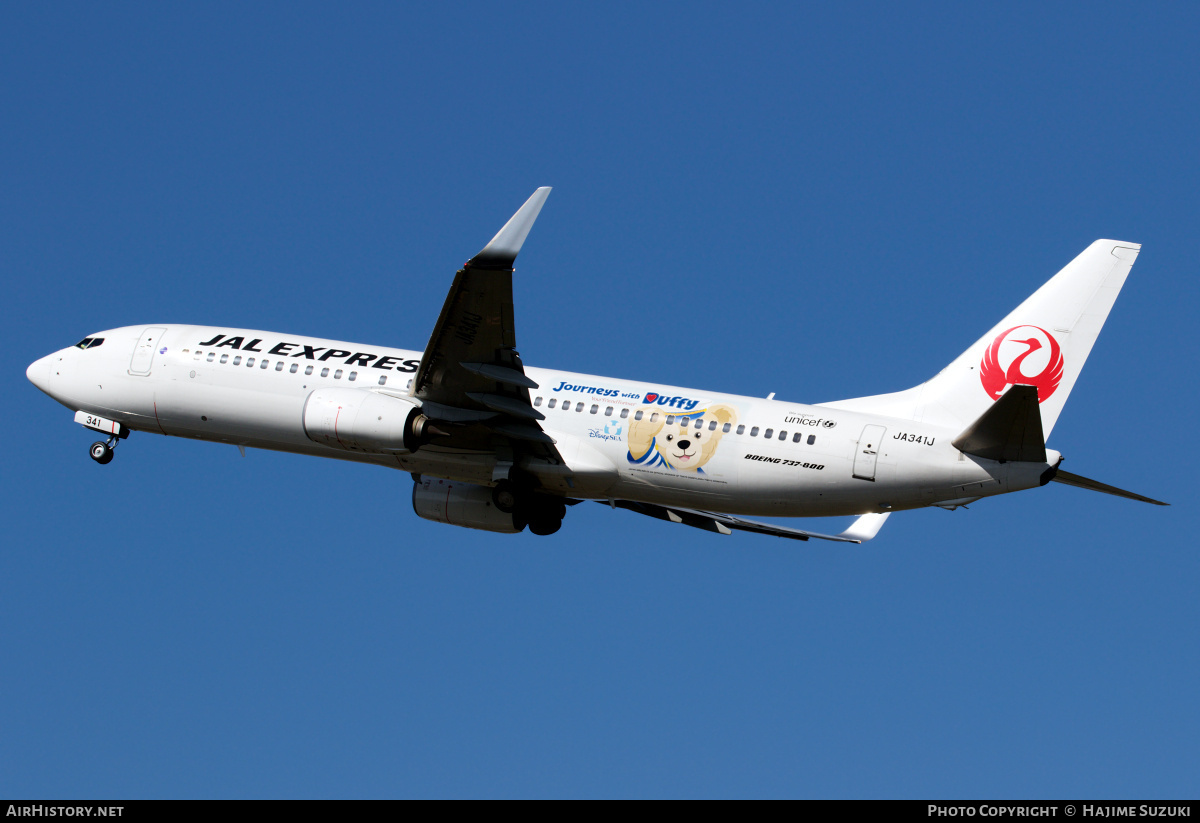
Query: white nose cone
pixel 39 374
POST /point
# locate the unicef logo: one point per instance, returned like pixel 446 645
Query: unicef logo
pixel 612 427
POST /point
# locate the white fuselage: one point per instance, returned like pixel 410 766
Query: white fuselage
pixel 619 439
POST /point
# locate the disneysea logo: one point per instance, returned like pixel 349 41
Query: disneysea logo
pixel 611 431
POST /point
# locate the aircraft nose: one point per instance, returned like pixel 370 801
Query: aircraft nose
pixel 39 373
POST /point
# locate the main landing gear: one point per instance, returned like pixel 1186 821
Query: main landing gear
pixel 103 452
pixel 543 513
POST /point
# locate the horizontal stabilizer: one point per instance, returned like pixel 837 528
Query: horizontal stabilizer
pixel 1086 483
pixel 1010 429
pixel 860 531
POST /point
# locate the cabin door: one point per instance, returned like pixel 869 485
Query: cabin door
pixel 143 355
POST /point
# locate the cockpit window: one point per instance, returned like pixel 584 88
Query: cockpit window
pixel 89 342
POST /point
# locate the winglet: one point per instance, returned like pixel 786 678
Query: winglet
pixel 865 527
pixel 502 251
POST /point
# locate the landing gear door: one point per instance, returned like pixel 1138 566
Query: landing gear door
pixel 143 353
pixel 867 452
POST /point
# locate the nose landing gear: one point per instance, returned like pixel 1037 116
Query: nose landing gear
pixel 102 452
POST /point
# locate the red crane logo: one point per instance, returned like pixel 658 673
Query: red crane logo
pixel 996 377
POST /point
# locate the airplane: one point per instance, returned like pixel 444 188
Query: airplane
pixel 495 445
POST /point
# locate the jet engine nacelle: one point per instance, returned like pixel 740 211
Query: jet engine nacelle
pixel 462 504
pixel 360 420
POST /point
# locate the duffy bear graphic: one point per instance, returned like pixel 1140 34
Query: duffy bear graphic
pixel 685 445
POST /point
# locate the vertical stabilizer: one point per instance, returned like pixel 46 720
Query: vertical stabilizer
pixel 1044 343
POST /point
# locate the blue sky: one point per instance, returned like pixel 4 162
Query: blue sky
pixel 821 202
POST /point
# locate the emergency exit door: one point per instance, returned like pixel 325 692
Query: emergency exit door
pixel 869 443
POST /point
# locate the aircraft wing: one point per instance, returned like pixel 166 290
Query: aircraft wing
pixel 862 530
pixel 471 375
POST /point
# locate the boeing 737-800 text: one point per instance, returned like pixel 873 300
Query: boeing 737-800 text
pixel 492 444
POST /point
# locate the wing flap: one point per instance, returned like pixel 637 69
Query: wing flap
pixel 863 529
pixel 500 374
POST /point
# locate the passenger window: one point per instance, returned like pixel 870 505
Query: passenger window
pixel 199 354
pixel 797 437
pixel 237 361
pixel 579 406
pixel 670 419
pixel 608 411
pixel 537 401
pixel 249 362
pixel 595 408
pixel 553 400
pixel 337 375
pixel 308 369
pixel 712 427
pixel 624 413
pixel 812 438
pixel 352 376
pixel 210 357
pixel 740 429
pixel 279 365
pixel 224 358
pixel 653 417
pixel 726 428
pixel 637 415
pixel 782 434
pixel 767 434
pixel 383 379
pixel 325 372
pixel 295 368
pixel 409 386
pixel 262 364
pixel 754 431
